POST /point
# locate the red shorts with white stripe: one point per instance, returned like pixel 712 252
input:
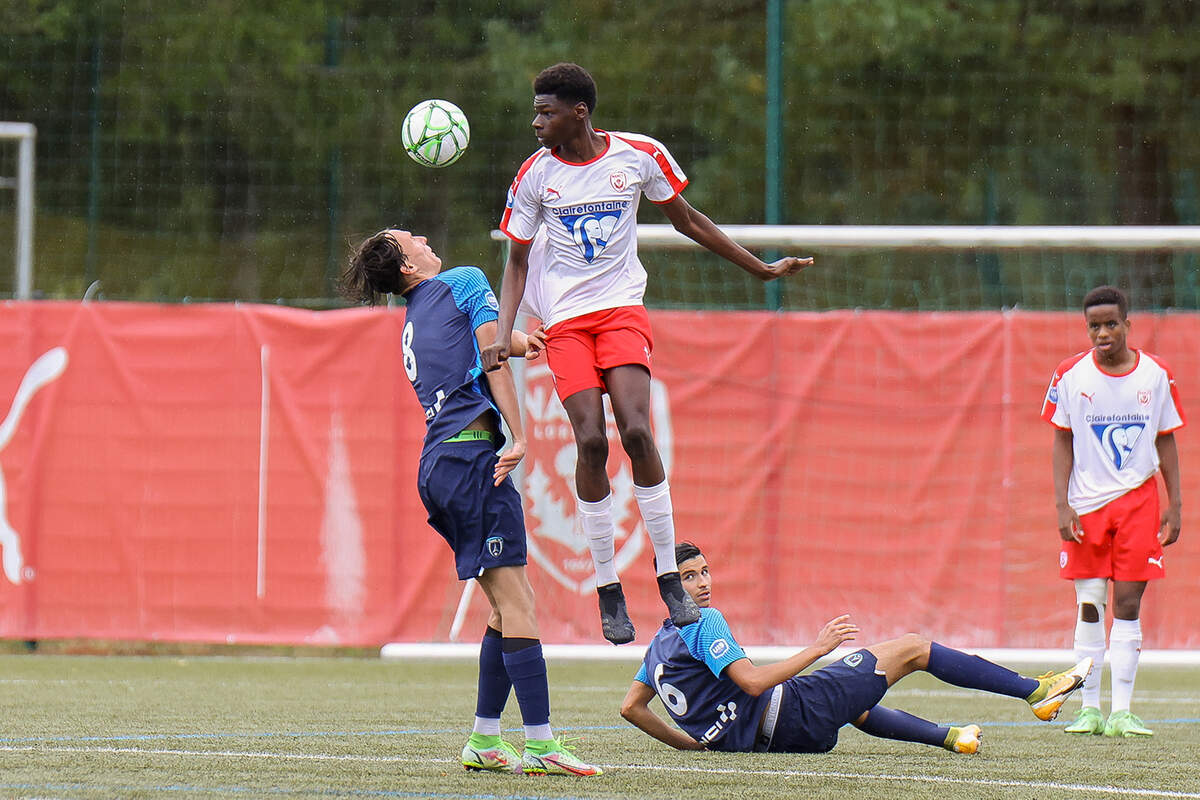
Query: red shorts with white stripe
pixel 579 349
pixel 1120 540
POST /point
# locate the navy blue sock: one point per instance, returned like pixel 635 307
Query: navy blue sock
pixel 494 683
pixel 527 671
pixel 973 672
pixel 889 723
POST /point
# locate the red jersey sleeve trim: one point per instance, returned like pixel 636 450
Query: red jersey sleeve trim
pixel 1048 407
pixel 512 194
pixel 1174 391
pixel 682 186
pixel 676 183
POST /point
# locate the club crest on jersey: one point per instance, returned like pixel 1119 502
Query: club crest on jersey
pixel 1117 440
pixel 853 660
pixel 554 538
pixel 495 546
pixel 1144 397
pixel 618 180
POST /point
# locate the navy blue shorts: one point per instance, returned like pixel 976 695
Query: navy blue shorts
pixel 815 706
pixel 483 524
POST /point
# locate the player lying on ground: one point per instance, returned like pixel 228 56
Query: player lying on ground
pixel 723 701
pixel 464 482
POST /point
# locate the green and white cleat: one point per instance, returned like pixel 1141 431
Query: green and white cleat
pixel 490 753
pixel 1126 725
pixel 1090 722
pixel 553 757
pixel 1055 687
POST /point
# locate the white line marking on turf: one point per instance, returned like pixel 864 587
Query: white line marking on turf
pixel 778 773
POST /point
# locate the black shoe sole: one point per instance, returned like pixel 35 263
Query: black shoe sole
pixel 680 605
pixel 614 617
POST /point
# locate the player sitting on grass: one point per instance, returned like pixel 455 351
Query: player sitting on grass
pixel 465 484
pixel 723 701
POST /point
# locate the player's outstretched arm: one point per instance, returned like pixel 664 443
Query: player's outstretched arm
pixel 512 289
pixel 1168 463
pixel 636 709
pixel 754 680
pixel 504 392
pixel 1069 527
pixel 699 228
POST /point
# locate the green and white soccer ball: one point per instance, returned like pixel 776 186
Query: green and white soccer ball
pixel 435 133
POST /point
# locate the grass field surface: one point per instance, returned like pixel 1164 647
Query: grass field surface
pixel 199 727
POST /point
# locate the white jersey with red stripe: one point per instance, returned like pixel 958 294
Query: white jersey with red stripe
pixel 585 258
pixel 1114 420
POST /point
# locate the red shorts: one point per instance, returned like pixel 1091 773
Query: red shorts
pixel 579 349
pixel 1120 540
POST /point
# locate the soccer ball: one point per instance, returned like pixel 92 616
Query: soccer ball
pixel 435 133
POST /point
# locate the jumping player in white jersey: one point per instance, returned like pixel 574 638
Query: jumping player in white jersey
pixel 578 195
pixel 721 700
pixel 1115 411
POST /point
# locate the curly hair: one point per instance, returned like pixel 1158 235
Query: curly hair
pixel 1107 296
pixel 568 82
pixel 374 270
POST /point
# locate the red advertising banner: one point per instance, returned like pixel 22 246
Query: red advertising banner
pixel 247 474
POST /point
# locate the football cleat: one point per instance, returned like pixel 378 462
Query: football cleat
pixel 1090 722
pixel 680 605
pixel 1124 724
pixel 553 757
pixel 490 753
pixel 967 739
pixel 614 617
pixel 1055 687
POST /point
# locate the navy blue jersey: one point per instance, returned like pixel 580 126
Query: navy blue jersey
pixel 441 354
pixel 685 668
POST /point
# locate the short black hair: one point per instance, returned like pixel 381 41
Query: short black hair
pixel 568 82
pixel 1107 296
pixel 685 551
pixel 374 270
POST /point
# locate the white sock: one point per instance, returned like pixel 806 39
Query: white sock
pixel 1124 648
pixel 597 523
pixel 487 727
pixel 538 732
pixel 1089 641
pixel 655 504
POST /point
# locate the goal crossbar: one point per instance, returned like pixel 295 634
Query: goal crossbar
pixel 938 237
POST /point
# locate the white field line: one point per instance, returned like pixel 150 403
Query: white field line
pixel 1085 789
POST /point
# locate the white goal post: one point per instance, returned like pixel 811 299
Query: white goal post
pixel 25 134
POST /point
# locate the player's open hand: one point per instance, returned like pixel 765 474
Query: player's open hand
pixel 508 461
pixel 1070 529
pixel 535 343
pixel 837 630
pixel 787 266
pixel 492 356
pixel 1168 529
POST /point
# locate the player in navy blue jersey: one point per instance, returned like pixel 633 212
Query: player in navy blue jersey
pixel 723 701
pixel 464 481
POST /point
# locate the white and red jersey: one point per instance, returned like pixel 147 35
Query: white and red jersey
pixel 1115 420
pixel 588 214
